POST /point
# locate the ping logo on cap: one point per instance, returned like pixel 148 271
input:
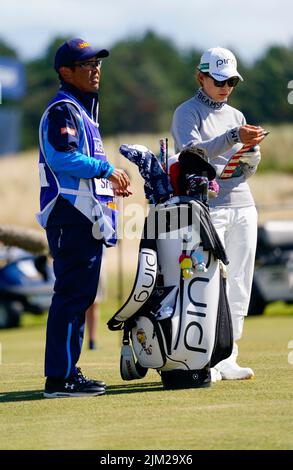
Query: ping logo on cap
pixel 82 45
pixel 225 61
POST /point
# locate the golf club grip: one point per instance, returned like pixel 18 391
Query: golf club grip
pixel 164 152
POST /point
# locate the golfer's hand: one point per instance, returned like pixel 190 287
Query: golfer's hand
pixel 251 135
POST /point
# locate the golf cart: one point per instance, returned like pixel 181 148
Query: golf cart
pixel 273 275
pixel 26 285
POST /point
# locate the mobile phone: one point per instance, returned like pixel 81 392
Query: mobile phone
pixel 265 133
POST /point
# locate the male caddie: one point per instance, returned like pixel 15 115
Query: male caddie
pixel 75 193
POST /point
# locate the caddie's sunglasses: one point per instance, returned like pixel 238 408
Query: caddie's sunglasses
pixel 89 65
pixel 232 82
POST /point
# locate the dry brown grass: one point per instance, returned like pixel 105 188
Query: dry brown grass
pixel 19 189
pixel 277 148
pixel 19 192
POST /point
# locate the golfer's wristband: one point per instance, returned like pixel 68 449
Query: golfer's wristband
pixel 233 135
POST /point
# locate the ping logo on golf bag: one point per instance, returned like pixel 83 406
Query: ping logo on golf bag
pixel 150 272
pixel 195 324
pixel 143 286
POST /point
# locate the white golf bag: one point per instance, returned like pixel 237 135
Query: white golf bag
pixel 176 319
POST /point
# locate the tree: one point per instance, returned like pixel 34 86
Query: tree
pixel 264 97
pixel 6 50
pixel 142 83
pixel 146 78
pixel 42 84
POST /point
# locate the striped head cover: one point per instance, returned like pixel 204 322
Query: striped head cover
pixel 233 163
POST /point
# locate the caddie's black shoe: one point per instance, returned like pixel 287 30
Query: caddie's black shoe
pixel 77 386
pixel 100 383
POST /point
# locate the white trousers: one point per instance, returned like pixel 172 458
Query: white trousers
pixel 237 229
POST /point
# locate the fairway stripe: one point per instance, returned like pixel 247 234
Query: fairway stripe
pixel 68 349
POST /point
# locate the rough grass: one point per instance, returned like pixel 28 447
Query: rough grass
pixel 140 414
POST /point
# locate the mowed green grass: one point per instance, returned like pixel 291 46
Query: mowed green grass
pixel 256 414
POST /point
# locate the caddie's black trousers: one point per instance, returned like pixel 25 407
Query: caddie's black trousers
pixel 77 260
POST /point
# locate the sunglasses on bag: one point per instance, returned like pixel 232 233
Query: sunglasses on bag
pixel 232 82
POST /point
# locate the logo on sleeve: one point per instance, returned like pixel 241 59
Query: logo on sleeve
pixel 98 146
pixel 68 130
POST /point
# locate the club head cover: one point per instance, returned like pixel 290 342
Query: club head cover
pixel 193 161
pixel 128 369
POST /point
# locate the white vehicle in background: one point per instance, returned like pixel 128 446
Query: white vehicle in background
pixel 273 275
pixel 26 285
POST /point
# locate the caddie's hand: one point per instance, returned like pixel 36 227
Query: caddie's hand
pixel 119 179
pixel 251 135
pixel 251 157
pixel 122 192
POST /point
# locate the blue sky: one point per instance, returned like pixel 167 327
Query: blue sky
pixel 247 28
